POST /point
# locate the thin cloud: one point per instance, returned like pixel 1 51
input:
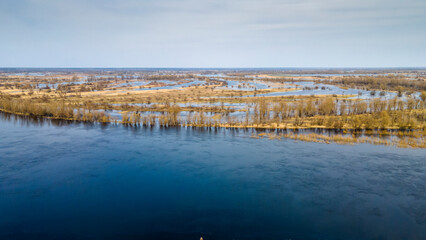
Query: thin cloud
pixel 214 32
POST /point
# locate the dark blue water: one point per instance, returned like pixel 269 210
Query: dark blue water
pixel 92 182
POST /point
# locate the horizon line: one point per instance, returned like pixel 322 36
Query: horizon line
pixel 214 68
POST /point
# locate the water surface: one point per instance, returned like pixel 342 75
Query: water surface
pixel 76 181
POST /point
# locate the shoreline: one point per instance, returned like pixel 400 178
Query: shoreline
pixel 413 138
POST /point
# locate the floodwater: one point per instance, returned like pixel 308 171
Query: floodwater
pixel 61 180
pixel 173 85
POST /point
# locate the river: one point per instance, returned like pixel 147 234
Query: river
pixel 62 180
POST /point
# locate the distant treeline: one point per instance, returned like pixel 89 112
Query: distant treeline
pixel 386 82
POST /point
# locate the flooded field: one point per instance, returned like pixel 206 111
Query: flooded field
pixel 382 100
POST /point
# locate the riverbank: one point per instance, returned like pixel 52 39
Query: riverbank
pixel 414 138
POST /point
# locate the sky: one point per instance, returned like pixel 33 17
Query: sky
pixel 212 33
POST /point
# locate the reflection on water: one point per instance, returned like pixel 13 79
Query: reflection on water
pixel 65 180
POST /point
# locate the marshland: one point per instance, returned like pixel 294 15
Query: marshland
pixel 356 102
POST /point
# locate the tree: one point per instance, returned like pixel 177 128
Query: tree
pixel 385 119
pixel 356 122
pixel 423 95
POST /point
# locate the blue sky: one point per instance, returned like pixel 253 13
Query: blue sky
pixel 212 33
